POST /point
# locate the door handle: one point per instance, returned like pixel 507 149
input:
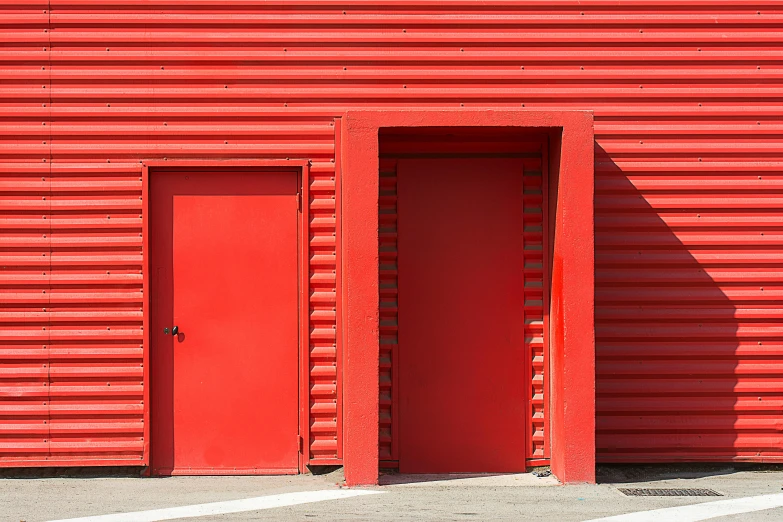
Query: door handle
pixel 174 331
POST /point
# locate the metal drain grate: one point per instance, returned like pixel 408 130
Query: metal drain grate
pixel 675 492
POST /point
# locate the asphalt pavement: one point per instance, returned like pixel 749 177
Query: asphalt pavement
pixel 400 497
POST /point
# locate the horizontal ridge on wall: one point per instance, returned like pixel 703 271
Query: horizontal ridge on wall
pixel 687 102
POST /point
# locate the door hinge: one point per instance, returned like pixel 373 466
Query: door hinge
pixel 300 442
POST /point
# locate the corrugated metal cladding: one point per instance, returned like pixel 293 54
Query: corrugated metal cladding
pixel 687 99
pixel 445 143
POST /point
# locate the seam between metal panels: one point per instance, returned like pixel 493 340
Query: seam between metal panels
pixel 49 160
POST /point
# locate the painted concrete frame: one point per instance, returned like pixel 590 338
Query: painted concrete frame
pixel 572 300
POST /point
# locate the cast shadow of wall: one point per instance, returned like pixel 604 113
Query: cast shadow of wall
pixel 682 321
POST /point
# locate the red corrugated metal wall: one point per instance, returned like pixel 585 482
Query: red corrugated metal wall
pixel 687 99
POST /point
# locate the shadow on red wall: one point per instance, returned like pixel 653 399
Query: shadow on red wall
pixel 684 348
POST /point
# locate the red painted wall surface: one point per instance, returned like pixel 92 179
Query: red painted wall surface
pixel 687 102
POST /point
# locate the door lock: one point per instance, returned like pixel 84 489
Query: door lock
pixel 174 331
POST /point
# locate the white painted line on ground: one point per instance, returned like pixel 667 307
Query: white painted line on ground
pixel 229 506
pixel 704 511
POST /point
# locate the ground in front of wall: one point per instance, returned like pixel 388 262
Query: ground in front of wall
pixel 403 497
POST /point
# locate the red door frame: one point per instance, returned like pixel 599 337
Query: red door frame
pixel 303 168
pixel 572 300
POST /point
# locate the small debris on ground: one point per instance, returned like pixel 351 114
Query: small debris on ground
pixel 541 473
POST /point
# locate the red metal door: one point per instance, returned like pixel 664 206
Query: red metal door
pixel 224 271
pixel 461 316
